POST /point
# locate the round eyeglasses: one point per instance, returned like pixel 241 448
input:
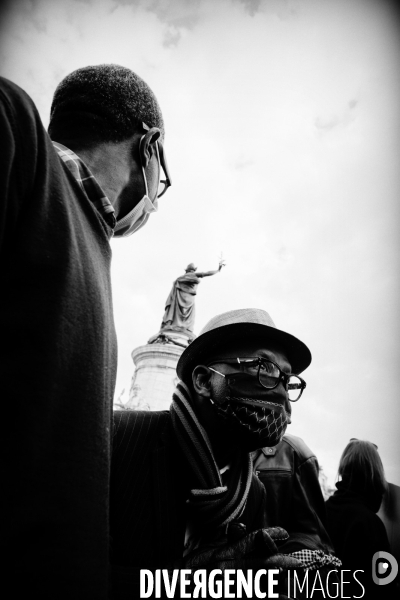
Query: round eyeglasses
pixel 269 374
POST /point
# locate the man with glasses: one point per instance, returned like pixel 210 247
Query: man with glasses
pixel 98 175
pixel 183 491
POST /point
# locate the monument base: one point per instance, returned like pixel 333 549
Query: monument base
pixel 154 379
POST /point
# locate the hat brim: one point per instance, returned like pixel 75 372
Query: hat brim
pixel 203 346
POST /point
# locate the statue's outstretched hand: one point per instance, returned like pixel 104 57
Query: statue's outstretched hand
pixel 221 264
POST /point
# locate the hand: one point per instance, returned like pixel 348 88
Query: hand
pixel 221 264
pixel 256 550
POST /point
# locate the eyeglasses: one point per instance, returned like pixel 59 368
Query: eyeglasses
pixel 163 184
pixel 268 373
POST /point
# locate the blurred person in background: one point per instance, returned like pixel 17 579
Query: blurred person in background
pixel 356 530
pixel 289 472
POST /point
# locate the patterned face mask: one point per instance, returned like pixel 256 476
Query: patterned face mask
pixel 250 414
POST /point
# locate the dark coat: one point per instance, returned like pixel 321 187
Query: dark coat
pixel 150 482
pixel 357 533
pixel 58 363
pixel 289 472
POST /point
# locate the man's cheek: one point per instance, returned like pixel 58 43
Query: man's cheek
pixel 219 391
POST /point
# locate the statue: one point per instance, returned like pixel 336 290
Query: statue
pixel 180 306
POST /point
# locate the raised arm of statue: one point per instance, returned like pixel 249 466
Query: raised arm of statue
pixel 208 273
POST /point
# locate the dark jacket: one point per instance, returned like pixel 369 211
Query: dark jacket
pixel 58 363
pixel 357 533
pixel 289 472
pixel 150 482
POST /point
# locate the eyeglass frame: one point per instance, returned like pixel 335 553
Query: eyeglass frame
pixel 284 377
pixel 162 164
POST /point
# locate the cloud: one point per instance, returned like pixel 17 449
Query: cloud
pixel 243 163
pixel 346 116
pixel 180 13
pixel 282 9
pixel 251 6
pixel 172 37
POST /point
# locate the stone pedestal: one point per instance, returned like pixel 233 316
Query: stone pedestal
pixel 155 378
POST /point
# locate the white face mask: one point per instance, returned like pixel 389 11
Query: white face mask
pixel 139 215
pixel 135 219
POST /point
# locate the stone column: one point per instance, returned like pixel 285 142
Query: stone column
pixel 155 378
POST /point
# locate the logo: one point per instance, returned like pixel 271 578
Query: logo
pixel 384 568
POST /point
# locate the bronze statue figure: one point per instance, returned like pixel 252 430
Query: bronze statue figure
pixel 180 305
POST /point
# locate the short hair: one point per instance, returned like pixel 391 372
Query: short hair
pixel 361 468
pixel 102 103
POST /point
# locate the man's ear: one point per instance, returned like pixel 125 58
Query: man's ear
pixel 146 148
pixel 201 379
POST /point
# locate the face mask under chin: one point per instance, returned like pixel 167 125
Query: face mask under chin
pixel 136 218
pixel 251 418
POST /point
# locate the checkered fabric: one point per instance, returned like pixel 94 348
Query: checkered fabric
pixel 87 182
pixel 316 559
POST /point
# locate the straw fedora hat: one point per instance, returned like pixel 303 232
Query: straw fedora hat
pixel 235 325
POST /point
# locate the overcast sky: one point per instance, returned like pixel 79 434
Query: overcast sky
pixel 282 136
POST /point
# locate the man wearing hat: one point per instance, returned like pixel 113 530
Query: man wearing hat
pixel 182 488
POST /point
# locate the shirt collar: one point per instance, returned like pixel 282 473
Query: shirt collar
pixel 87 182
